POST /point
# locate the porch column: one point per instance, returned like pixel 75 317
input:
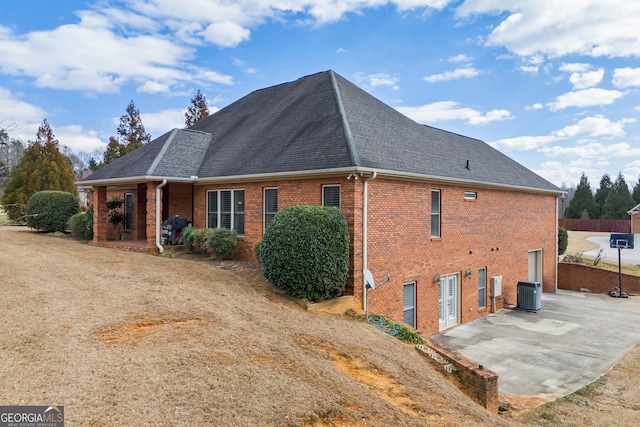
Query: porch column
pixel 151 213
pixel 99 202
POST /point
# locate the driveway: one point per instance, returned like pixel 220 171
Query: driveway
pixel 574 340
pixel 627 256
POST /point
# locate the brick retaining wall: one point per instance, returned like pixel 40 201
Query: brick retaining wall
pixel 480 381
pixel 574 277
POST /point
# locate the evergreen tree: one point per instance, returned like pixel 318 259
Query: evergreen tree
pixel 602 193
pixel 619 200
pixel 582 201
pixel 197 111
pixel 636 192
pixel 131 135
pixel 42 167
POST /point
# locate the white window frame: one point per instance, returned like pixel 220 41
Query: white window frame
pixel 324 187
pixel 436 215
pixel 267 214
pixel 234 213
pixel 470 195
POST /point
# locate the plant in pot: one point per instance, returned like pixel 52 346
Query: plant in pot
pixel 115 215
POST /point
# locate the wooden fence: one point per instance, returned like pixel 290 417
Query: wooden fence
pixel 596 225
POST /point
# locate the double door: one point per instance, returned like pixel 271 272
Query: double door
pixel 449 300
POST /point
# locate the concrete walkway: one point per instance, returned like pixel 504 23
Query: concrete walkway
pixel 574 340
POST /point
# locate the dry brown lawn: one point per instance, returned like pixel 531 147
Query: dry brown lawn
pixel 123 338
pixel 128 339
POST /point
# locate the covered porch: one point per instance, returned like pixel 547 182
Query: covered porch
pixel 146 205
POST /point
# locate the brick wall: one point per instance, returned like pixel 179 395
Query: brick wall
pixel 290 193
pixel 496 231
pixel 480 382
pixel 574 277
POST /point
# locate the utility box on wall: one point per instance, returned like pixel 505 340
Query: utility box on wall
pixel 496 286
pixel 529 296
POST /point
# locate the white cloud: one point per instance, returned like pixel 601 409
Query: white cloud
pixel 14 110
pixel 585 98
pixel 575 67
pixel 459 73
pixel 449 110
pixel 626 77
pixel 151 86
pixel 594 126
pixel 585 129
pixel 536 106
pixel 552 28
pixel 226 34
pixel 459 58
pixel 160 122
pixel 583 80
pixel 594 150
pixel 77 138
pixel 379 79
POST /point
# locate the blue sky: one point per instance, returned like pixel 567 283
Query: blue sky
pixel 554 85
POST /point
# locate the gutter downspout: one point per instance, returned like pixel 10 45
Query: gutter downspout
pixel 158 219
pixel 365 210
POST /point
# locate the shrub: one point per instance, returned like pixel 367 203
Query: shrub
pixel 50 210
pixel 305 252
pixel 115 216
pixel 222 243
pixel 195 238
pixel 563 240
pixel 81 227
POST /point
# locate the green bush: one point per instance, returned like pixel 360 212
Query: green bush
pixel 195 238
pixel 305 252
pixel 50 210
pixel 563 240
pixel 221 243
pixel 81 227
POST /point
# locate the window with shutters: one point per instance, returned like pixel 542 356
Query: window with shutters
pixel 435 213
pixel 331 195
pixel 409 290
pixel 270 205
pixel 482 288
pixel 128 211
pixel 225 209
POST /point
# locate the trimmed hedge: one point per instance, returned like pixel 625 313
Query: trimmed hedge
pixel 221 243
pixel 305 252
pixel 563 240
pixel 81 226
pixel 49 211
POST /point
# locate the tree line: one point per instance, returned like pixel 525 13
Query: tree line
pixel 44 164
pixel 611 200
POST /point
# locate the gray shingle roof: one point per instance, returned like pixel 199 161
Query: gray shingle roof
pixel 318 122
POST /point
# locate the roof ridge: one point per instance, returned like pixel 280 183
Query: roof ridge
pixel 353 153
pixel 156 161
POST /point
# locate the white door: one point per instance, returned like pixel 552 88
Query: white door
pixel 535 266
pixel 449 308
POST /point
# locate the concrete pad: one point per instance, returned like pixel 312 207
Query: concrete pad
pixel 575 339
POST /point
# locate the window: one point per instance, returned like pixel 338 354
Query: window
pixel 482 288
pixel 331 195
pixel 470 195
pixel 128 211
pixel 435 213
pixel 225 209
pixel 270 205
pixel 409 291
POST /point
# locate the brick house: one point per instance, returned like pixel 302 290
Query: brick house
pixel 440 213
